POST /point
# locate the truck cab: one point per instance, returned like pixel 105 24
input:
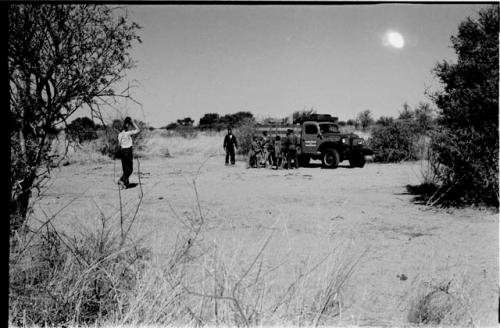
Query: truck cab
pixel 323 140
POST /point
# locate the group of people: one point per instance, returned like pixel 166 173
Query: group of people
pixel 265 151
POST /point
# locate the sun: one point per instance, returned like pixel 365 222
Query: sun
pixel 394 39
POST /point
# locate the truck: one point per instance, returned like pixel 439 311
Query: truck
pixel 321 139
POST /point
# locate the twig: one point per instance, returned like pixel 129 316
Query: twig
pixel 47 221
pixel 441 196
pixel 302 275
pixel 120 201
pixel 337 289
pixel 141 196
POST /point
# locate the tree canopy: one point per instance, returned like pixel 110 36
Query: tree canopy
pixel 467 145
pixel 60 58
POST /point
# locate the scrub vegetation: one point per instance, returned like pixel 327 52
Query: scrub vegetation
pixel 199 244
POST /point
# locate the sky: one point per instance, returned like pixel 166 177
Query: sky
pixel 272 60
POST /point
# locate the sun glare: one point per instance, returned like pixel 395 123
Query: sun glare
pixel 394 39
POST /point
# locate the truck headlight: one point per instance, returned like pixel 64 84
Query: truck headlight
pixel 344 140
pixel 361 141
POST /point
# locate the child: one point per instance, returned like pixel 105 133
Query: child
pixel 127 157
pixel 255 152
pixel 277 151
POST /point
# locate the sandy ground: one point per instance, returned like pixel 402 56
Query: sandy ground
pixel 310 212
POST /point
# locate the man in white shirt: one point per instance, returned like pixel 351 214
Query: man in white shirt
pixel 125 141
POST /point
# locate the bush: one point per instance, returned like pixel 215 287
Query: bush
pixel 404 138
pixel 470 174
pixel 109 140
pixel 394 142
pixel 244 135
pixel 447 303
pixel 81 129
pixel 467 143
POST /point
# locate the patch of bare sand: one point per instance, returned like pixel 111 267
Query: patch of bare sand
pixel 310 211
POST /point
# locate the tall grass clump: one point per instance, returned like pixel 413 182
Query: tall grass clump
pixel 57 279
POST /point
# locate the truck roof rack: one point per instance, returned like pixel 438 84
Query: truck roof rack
pixel 318 117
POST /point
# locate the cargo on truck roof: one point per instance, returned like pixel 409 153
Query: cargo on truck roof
pixel 318 118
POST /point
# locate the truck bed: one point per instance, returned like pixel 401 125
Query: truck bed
pixel 279 129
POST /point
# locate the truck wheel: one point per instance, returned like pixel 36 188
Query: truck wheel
pixel 303 161
pixel 357 161
pixel 330 158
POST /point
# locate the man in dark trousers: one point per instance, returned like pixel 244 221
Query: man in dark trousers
pixel 230 145
pixel 291 144
pixel 125 141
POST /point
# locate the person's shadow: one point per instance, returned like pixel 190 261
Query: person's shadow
pixel 132 185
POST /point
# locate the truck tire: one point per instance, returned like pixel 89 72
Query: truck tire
pixel 330 158
pixel 357 161
pixel 303 160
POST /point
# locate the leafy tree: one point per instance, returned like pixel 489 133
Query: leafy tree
pixel 385 121
pixel 424 118
pixel 407 113
pixel 171 126
pixel 187 121
pixel 242 117
pixel 365 119
pixel 209 120
pixel 237 119
pixel 466 145
pixel 60 58
pixel 351 122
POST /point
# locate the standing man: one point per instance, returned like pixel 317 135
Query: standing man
pixel 125 141
pixel 291 144
pixel 230 145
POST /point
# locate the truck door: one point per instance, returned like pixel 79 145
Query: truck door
pixel 310 138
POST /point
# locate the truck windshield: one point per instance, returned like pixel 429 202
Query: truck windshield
pixel 328 128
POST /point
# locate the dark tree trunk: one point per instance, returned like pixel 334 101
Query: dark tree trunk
pixel 19 208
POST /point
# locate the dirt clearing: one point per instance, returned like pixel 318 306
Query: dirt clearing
pixel 365 215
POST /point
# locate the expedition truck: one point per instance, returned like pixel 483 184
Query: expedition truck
pixel 321 139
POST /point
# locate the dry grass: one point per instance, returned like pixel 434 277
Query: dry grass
pixel 212 289
pixel 153 144
pixel 161 143
pixel 202 283
pixel 86 153
pixel 101 276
